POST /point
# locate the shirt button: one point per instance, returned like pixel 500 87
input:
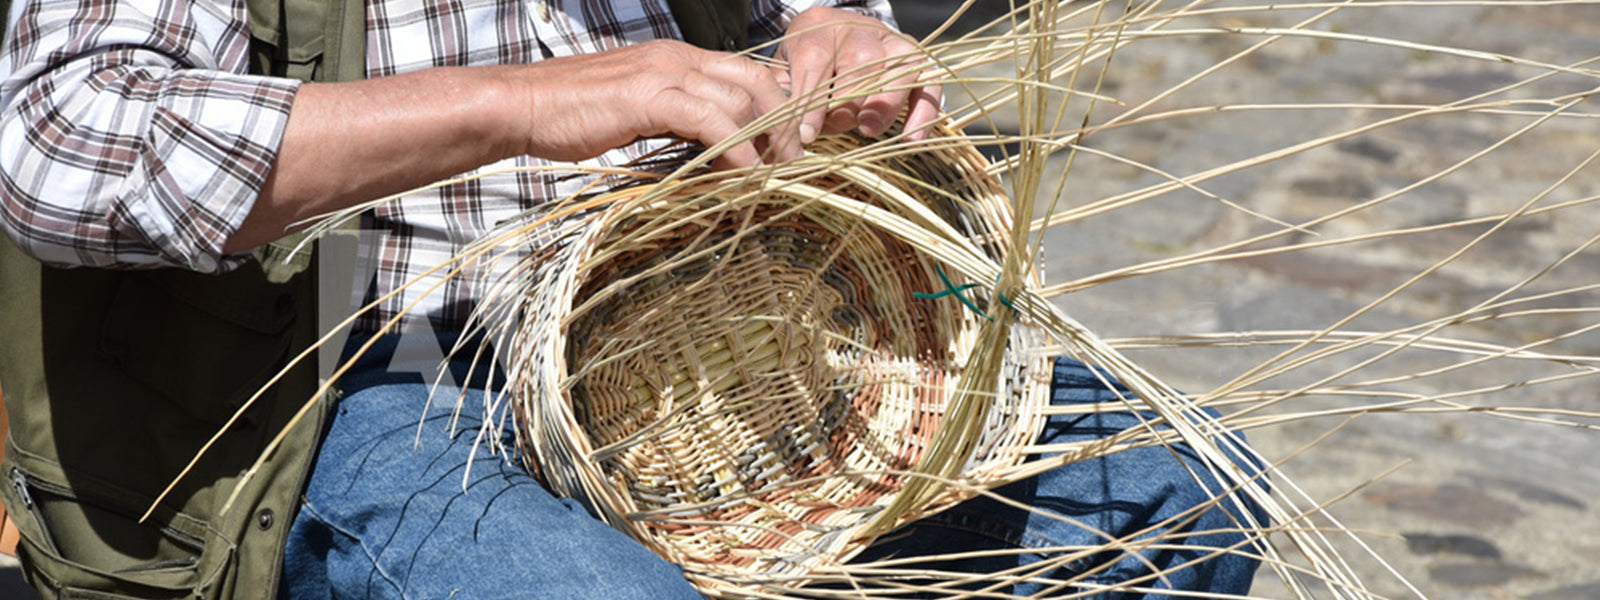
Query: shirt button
pixel 543 10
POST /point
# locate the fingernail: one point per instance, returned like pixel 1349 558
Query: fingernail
pixel 872 125
pixel 808 133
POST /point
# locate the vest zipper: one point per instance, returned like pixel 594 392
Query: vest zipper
pixel 19 480
pixel 25 488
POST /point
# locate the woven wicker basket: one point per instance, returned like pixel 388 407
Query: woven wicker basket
pixel 743 377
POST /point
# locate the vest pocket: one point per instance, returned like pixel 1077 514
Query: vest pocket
pixel 78 546
pixel 203 342
pixel 82 594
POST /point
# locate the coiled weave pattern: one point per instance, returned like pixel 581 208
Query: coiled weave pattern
pixel 742 376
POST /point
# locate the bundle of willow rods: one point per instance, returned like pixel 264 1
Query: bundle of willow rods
pixel 743 373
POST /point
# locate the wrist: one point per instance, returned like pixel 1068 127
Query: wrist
pixel 477 107
pixel 497 110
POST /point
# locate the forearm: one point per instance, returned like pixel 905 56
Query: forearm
pixel 351 142
pixel 348 143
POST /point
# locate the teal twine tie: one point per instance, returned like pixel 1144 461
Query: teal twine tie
pixel 951 289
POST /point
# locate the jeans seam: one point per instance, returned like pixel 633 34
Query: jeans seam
pixel 310 509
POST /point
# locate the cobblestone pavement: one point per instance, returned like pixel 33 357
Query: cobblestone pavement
pixel 1476 506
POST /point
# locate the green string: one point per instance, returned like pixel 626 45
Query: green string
pixel 953 289
pixel 956 290
pixel 1006 301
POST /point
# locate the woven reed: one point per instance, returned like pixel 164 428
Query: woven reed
pixel 741 377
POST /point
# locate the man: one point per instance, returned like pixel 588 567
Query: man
pixel 134 136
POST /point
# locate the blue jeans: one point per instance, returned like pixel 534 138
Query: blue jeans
pixel 386 515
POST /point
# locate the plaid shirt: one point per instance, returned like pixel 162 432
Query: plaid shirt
pixel 132 136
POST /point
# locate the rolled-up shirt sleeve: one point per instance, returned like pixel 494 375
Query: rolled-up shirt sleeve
pixel 130 134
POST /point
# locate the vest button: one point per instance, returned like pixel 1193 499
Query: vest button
pixel 264 519
pixel 728 43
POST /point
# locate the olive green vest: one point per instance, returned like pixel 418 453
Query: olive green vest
pixel 114 380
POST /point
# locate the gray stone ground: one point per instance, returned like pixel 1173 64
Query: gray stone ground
pixel 1477 507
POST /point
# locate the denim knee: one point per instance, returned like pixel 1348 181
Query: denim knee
pixel 1165 491
pixel 1138 494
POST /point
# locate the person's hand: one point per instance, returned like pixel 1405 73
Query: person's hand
pixel 581 106
pixel 825 43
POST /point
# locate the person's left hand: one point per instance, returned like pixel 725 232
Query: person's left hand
pixel 824 43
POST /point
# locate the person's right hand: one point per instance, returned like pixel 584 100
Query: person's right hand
pixel 578 107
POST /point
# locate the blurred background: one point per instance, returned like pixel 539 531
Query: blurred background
pixel 1462 504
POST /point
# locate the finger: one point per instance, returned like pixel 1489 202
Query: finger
pixel 781 75
pixel 694 116
pixel 736 103
pixel 839 120
pixel 789 138
pixel 880 110
pixel 859 64
pixel 810 66
pixel 760 92
pixel 924 109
